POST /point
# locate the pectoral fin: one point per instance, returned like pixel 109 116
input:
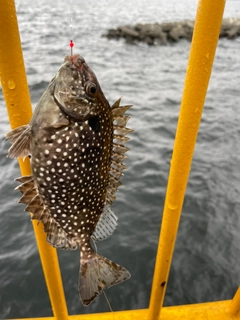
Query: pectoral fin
pixel 20 139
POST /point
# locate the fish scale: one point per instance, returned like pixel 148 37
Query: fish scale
pixel 76 144
pixel 70 182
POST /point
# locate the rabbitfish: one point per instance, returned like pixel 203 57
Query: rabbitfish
pixel 76 144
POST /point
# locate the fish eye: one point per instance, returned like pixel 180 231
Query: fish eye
pixel 91 88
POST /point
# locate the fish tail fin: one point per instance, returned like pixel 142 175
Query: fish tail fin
pixel 97 274
pixel 20 139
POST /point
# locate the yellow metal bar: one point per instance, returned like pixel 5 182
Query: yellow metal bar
pixel 234 307
pixel 15 90
pixel 204 42
pixel 201 311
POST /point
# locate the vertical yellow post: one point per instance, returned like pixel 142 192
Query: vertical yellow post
pixel 15 89
pixel 234 308
pixel 204 42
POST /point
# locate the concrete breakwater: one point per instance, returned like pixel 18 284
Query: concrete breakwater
pixel 167 32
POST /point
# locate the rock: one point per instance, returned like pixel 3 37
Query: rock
pixel 112 33
pixel 154 30
pixel 128 32
pixel 162 39
pixel 230 28
pixel 177 33
pixel 149 41
pixel 167 26
pixel 233 32
pixel 161 34
pixel 188 27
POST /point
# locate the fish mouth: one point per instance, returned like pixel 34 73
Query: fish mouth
pixel 70 89
pixel 77 61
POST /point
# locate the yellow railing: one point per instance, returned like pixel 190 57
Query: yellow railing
pixel 15 89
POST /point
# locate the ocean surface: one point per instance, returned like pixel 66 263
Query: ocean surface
pixel 207 254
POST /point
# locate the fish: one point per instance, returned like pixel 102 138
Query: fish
pixel 76 145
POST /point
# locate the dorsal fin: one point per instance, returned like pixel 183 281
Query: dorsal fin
pixel 20 139
pixel 106 225
pixel 117 158
pixel 120 111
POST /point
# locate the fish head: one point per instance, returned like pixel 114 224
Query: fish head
pixel 77 91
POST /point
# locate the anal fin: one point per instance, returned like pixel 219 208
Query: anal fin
pixel 56 236
pixel 28 189
pixel 106 225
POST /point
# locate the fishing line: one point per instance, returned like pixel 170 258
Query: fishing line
pixel 95 246
pixel 71 43
pixel 108 302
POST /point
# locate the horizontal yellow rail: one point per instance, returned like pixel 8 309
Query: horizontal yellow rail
pixel 201 311
pixel 234 307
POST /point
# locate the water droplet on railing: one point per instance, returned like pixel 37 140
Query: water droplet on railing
pixel 172 206
pixel 11 84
